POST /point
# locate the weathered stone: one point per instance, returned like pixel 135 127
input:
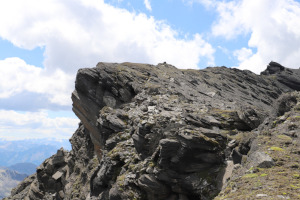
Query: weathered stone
pixel 59 158
pixel 168 152
pixel 163 133
pixel 287 77
pixel 104 176
pixel 154 188
pixel 261 195
pixel 261 159
pixel 114 194
pixel 57 175
pixel 273 68
pixel 236 156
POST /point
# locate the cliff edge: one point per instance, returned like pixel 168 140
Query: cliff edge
pixel 158 132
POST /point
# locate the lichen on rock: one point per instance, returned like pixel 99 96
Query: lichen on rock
pixel 157 132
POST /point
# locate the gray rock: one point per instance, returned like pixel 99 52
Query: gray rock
pixel 158 132
pixel 59 158
pixel 57 175
pixel 261 195
pixel 114 194
pixel 168 152
pixel 287 77
pixel 236 156
pixel 261 159
pixel 154 188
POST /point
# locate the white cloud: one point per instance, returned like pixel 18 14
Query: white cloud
pixel 273 25
pixel 206 3
pixel 19 77
pixel 243 54
pixel 76 34
pixel 224 50
pixel 29 125
pixel 148 5
pixel 80 33
pixel 26 87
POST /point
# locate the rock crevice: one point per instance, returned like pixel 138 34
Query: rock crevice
pixel 157 132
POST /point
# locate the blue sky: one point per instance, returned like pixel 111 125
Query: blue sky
pixel 32 57
pixel 44 43
pixel 187 19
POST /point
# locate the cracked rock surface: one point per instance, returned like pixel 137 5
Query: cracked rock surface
pixel 157 132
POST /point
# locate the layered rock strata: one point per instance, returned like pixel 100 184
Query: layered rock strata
pixel 157 132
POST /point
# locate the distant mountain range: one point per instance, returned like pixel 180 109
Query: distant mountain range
pixel 29 151
pixel 20 158
pixel 8 180
pixel 24 168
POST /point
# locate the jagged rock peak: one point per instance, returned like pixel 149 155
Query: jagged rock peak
pixel 157 132
pixel 286 76
pixel 273 68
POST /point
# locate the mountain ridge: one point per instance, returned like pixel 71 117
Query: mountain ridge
pixel 9 179
pixel 24 168
pixel 157 132
pixel 30 150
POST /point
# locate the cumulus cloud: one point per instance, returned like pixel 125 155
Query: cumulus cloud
pixel 25 125
pixel 80 33
pixel 148 5
pixel 76 34
pixel 274 28
pixel 26 84
pixel 242 54
pixel 28 88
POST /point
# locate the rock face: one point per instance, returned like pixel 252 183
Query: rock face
pixel 157 132
pixel 271 168
pixel 287 77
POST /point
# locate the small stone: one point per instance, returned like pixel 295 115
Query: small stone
pixel 232 144
pixel 283 197
pixel 211 94
pixel 155 171
pixel 149 170
pixel 60 152
pixel 151 108
pixel 61 194
pixel 57 175
pixel 261 159
pixel 131 176
pixel 236 156
pixel 261 195
pixel 237 166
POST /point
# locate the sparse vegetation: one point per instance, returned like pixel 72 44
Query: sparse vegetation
pixel 276 149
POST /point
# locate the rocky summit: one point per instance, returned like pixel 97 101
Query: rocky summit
pixel 160 133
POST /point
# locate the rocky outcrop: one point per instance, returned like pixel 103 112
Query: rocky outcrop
pixel 157 132
pixel 271 168
pixel 65 175
pixel 287 77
